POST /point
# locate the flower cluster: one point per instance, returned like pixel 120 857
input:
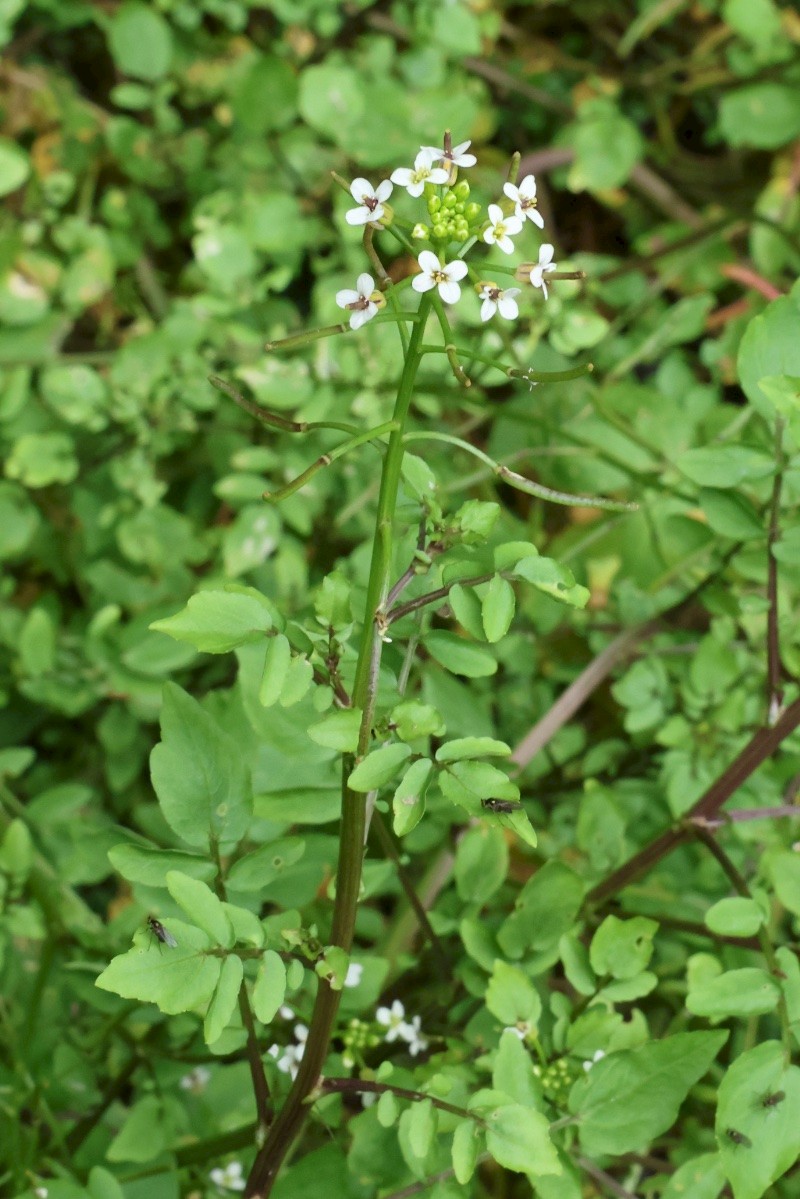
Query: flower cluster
pixel 289 1057
pixel 393 1019
pixel 229 1178
pixel 452 217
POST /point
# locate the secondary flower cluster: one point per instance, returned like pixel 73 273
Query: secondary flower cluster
pixel 452 218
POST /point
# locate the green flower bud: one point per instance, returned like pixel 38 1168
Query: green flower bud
pixel 450 200
pixel 473 211
pixel 420 232
pixel 434 204
pixel 462 189
pixel 439 231
pixel 459 208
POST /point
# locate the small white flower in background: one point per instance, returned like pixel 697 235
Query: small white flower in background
pixel 495 299
pixel 370 202
pixel 445 276
pixel 524 198
pixel 353 976
pixel 520 1030
pixel 457 155
pixel 502 229
pixel 229 1178
pixel 393 1019
pixel 41 1192
pixel 424 172
pixel 597 1056
pixel 285 1012
pixel 196 1080
pixel 288 1059
pixel 368 1098
pixel 359 302
pixel 544 264
pixel 412 1034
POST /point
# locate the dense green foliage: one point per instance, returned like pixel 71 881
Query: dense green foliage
pixel 596 993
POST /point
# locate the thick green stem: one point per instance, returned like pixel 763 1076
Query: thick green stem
pixel 352 830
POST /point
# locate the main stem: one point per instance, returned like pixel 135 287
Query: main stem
pixel 352 833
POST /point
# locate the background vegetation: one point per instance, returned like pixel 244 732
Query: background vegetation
pixel 166 170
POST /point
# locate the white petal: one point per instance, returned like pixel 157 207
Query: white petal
pixel 358 216
pixel 422 283
pixel 513 225
pixel 495 213
pixel 545 254
pixel 544 287
pixel 488 308
pixel 416 189
pixel 488 235
pixel 438 175
pixel 461 147
pixel 358 319
pixel 360 188
pixel 429 262
pixel 450 292
pixel 534 215
pixel 528 187
pixel 512 291
pixel 511 191
pixel 403 176
pixel 508 307
pixel 384 190
pixel 536 276
pixel 506 244
pixel 365 284
pixel 377 213
pixel 456 269
pixel 347 296
pixel 434 151
pixel 426 158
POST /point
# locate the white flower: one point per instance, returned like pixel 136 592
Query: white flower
pixel 444 276
pixel 229 1178
pixel 285 1012
pixel 393 1019
pixel 360 302
pixel 424 172
pixel 520 1030
pixel 455 154
pixel 501 228
pixel 289 1058
pixel 196 1080
pixel 370 203
pixel 353 976
pixel 544 264
pixel 596 1057
pixel 412 1034
pixel 495 299
pixel 524 198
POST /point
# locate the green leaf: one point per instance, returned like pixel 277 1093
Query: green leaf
pixel 746 992
pixel 339 730
pixel 199 775
pixel 757 1124
pixel 333 966
pixel 269 990
pixel 467 783
pixel 177 979
pixel 140 864
pixel 276 666
pixel 465 1149
pixel 512 997
pixel 519 1139
pixel 784 869
pixel 265 97
pixel 622 948
pixel 765 115
pixel 422 1127
pixel 216 622
pixel 41 459
pixel 725 465
pixel 731 515
pixel 481 864
pixel 378 768
pixel 512 1071
pixel 472 747
pixel 769 348
pixel 225 999
pixel 700 1178
pixel 299 678
pixel 459 656
pixel 607 147
pixel 735 917
pixel 553 579
pixel 14 166
pixel 140 41
pixel 629 1098
pixel 387 1109
pixel 497 608
pixel 202 906
pixel 144 1135
pixel 413 720
pixel 256 870
pixel 545 909
pixel 408 802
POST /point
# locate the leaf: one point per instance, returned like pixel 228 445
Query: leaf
pixel 176 980
pixel 512 1071
pixel 465 1149
pixel 746 992
pixel 408 802
pixel 497 608
pixel 299 677
pixel 256 870
pixel 607 147
pixel 269 990
pixel 731 515
pixel 622 948
pixel 481 864
pixel 552 579
pixel 276 665
pixel 519 1139
pixel 378 768
pixel 339 730
pixel 459 656
pixel 765 115
pixel 629 1098
pixel 759 1101
pixel 225 999
pixel 140 864
pixel 735 917
pixel 199 774
pixel 145 1134
pixel 512 997
pixel 472 747
pixel 700 1178
pixel 14 166
pixel 725 465
pixel 202 906
pixel 216 622
pixel 422 1127
pixel 140 41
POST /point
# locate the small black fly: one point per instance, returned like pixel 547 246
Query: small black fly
pixel 160 933
pixel 738 1138
pixel 501 806
pixel 773 1099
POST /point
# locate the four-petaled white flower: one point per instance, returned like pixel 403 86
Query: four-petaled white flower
pixel 360 302
pixel 424 172
pixel 454 154
pixel 393 1019
pixel 412 1035
pixel 370 202
pixel 544 264
pixel 445 276
pixel 288 1059
pixel 353 976
pixel 495 299
pixel 229 1178
pixel 524 198
pixel 501 229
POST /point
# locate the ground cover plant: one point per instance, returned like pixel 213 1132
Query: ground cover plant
pixel 399 615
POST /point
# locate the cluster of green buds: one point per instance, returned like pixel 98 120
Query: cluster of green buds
pixel 557 1080
pixel 453 216
pixel 358 1037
